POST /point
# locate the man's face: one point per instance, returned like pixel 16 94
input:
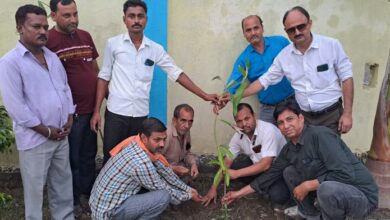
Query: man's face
pixel 155 142
pixel 290 124
pixel 184 123
pixel 135 19
pixel 246 121
pixel 33 32
pixel 66 18
pixel 253 30
pixel 298 28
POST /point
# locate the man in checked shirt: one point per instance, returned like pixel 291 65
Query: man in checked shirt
pixel 134 164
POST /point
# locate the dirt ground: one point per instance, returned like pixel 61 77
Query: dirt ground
pixel 250 207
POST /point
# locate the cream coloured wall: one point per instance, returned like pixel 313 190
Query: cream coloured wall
pixel 204 38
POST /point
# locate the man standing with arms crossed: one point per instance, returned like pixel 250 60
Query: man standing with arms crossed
pixel 78 54
pixel 260 54
pixel 36 94
pixel 127 73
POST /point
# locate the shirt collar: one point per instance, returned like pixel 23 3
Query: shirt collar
pixel 145 41
pixel 267 43
pixel 315 44
pixel 22 50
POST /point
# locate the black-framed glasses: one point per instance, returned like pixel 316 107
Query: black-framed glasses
pixel 300 28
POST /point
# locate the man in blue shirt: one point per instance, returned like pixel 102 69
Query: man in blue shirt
pixel 260 54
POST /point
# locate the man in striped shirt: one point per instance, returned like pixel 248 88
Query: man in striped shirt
pixel 134 164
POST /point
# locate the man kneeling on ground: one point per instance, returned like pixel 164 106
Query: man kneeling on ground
pixel 324 176
pixel 134 164
pixel 261 142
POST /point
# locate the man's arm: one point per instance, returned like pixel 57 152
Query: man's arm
pixel 345 122
pixel 234 195
pixel 95 66
pixel 304 188
pixel 101 92
pixel 259 167
pixel 187 83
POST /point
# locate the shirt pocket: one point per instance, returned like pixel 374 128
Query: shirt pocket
pixel 323 75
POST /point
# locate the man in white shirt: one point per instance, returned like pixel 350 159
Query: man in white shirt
pixel 261 142
pixel 127 73
pixel 319 71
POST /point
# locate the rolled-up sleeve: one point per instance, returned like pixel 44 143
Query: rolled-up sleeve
pixel 343 65
pixel 108 62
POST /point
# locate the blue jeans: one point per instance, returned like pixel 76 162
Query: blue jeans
pixel 143 206
pixel 82 151
pixel 339 200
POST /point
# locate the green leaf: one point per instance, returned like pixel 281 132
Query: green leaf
pixel 228 123
pixel 236 98
pixel 213 162
pixel 230 85
pixel 227 179
pixel 217 177
pixel 221 160
pixel 226 152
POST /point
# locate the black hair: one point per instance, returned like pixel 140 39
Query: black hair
pixel 243 105
pixel 21 13
pixel 186 107
pixel 297 8
pixel 258 17
pixel 289 104
pixel 54 4
pixel 150 125
pixel 134 3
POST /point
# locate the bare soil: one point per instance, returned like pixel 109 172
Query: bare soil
pixel 247 208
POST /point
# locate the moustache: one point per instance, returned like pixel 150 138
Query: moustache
pixel 42 37
pixel 298 36
pixel 136 25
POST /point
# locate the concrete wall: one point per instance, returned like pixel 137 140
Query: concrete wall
pixel 204 38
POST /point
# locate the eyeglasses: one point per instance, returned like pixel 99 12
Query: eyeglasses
pixel 300 28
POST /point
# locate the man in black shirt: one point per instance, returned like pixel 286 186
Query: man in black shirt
pixel 323 175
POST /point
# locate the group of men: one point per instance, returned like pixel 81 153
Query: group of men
pixel 53 90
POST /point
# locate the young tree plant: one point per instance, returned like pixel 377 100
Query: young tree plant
pixel 223 150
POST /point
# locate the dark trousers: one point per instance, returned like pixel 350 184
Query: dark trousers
pixel 329 119
pixel 117 128
pixel 293 178
pixel 278 192
pixel 82 153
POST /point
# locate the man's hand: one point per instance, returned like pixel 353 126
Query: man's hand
pixel 301 191
pixel 230 197
pixel 67 126
pixel 211 98
pixel 195 196
pixel 194 171
pixel 345 123
pixel 56 134
pixel 222 101
pixel 180 170
pixel 211 195
pixel 234 174
pixel 95 122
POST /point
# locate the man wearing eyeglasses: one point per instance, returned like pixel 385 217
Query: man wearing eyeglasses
pixel 260 53
pixel 319 71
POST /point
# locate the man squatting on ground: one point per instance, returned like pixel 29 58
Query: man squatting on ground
pixel 260 142
pixel 177 148
pixel 134 164
pixel 323 175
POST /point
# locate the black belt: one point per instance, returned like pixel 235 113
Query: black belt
pixel 331 108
